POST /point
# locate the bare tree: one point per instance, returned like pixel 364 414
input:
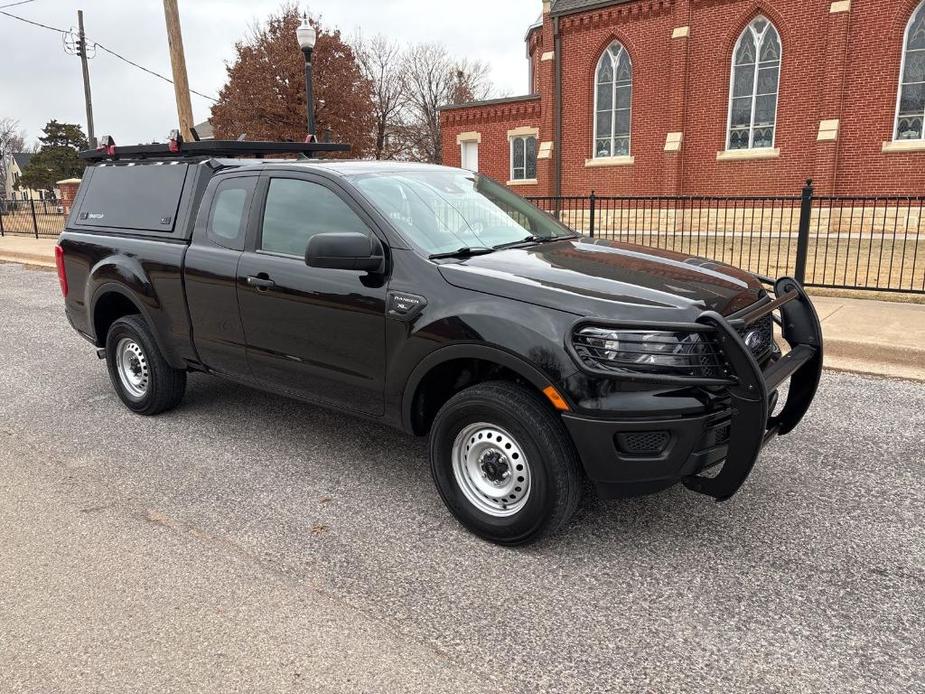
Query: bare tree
pixel 431 79
pixel 381 62
pixel 12 140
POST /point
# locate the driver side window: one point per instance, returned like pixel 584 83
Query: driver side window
pixel 296 210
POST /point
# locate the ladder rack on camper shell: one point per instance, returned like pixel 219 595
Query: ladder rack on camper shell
pixel 211 148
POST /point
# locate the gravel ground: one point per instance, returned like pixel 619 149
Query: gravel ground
pixel 246 542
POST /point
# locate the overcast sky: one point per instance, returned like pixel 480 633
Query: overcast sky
pixel 39 81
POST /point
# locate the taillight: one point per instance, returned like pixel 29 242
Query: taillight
pixel 62 275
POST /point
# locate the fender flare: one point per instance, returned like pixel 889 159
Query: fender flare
pixel 112 287
pixel 498 355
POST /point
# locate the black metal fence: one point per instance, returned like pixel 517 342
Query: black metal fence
pixel 37 218
pixel 866 243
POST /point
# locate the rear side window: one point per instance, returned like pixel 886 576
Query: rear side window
pixel 296 210
pixel 143 197
pixel 228 218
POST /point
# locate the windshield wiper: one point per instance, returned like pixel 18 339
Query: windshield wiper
pixel 532 239
pixel 464 252
pixel 513 244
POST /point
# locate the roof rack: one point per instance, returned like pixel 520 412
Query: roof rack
pixel 206 148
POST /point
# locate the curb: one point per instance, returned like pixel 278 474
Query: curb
pixel 27 259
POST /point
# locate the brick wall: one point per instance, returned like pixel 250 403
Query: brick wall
pixel 837 65
pixel 492 122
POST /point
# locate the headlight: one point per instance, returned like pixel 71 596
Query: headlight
pixel 656 352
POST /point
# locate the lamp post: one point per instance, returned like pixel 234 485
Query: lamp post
pixel 307 36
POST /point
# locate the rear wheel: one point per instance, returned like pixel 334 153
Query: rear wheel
pixel 504 464
pixel 143 379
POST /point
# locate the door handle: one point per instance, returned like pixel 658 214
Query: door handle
pixel 262 283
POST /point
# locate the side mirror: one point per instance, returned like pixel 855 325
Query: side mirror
pixel 344 251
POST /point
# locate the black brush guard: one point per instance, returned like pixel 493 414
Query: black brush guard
pixel 754 389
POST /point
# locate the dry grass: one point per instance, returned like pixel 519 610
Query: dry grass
pixel 21 223
pixel 833 260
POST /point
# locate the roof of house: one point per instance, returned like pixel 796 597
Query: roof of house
pixel 22 159
pixel 204 130
pixel 561 7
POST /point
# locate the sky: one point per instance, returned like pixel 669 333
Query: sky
pixel 39 81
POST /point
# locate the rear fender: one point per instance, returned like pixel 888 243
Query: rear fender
pixel 125 276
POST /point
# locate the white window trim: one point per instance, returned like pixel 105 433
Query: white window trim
pixel 597 162
pixel 522 134
pixel 902 72
pixel 613 108
pixel 732 74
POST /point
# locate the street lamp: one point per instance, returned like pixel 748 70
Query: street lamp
pixel 307 36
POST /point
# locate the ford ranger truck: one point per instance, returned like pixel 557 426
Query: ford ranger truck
pixel 436 301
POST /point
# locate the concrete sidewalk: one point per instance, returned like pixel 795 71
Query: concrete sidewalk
pixel 873 337
pixel 28 250
pixel 878 337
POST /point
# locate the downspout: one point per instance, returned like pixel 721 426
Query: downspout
pixel 687 96
pixel 841 104
pixel 557 108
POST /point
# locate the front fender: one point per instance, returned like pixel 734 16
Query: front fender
pixel 521 337
pixel 489 353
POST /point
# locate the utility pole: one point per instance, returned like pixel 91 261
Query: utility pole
pixel 78 46
pixel 178 63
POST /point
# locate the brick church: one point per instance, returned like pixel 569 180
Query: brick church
pixel 708 97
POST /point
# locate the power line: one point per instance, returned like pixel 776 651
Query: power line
pixel 14 4
pixel 150 72
pixel 29 21
pixel 104 48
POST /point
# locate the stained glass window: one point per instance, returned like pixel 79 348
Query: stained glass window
pixel 755 83
pixel 910 113
pixel 523 158
pixel 613 103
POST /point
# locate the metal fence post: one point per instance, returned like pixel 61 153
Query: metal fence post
pixel 806 214
pixel 593 212
pixel 35 222
pixel 2 205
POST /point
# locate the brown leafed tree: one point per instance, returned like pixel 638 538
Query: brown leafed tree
pixel 264 98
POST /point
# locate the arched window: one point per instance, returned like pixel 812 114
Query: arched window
pixel 613 102
pixel 753 92
pixel 910 112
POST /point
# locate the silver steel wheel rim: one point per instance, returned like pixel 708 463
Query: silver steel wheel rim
pixel 132 366
pixel 491 469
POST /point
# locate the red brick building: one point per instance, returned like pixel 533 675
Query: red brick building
pixel 722 97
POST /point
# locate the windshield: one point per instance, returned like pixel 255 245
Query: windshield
pixel 445 211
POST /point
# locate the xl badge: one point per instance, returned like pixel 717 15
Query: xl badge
pixel 404 306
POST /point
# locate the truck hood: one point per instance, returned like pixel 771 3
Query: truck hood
pixel 592 277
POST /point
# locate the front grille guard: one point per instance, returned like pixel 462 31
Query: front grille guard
pixel 753 389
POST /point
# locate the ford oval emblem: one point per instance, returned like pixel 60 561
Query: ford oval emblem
pixel 753 340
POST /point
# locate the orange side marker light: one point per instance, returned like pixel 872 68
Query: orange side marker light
pixel 557 400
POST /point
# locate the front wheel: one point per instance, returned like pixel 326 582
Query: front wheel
pixel 504 464
pixel 143 379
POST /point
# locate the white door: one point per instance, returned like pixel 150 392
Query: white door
pixel 470 155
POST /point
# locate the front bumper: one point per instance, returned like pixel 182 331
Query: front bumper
pixel 733 433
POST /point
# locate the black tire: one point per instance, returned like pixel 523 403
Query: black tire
pixel 164 386
pixel 555 476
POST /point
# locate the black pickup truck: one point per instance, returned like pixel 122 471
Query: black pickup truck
pixel 435 300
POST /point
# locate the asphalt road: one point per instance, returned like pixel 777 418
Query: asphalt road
pixel 248 543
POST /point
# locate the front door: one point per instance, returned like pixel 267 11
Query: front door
pixel 313 332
